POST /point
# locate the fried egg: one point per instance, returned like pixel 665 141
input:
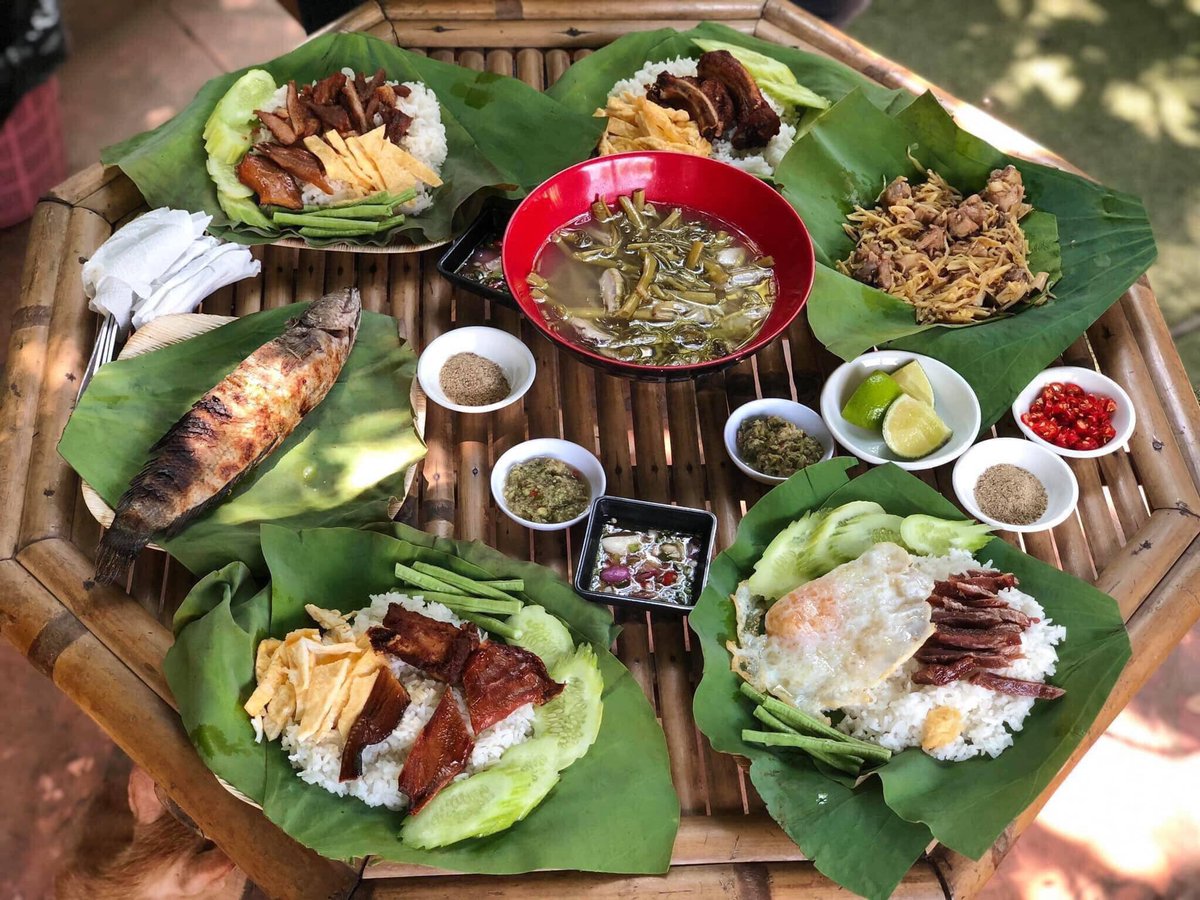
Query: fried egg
pixel 828 642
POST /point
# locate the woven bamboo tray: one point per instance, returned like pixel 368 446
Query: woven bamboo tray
pixel 1134 535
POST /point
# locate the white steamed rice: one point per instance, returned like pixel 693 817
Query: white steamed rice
pixel 318 760
pixel 756 162
pixel 425 140
pixel 894 717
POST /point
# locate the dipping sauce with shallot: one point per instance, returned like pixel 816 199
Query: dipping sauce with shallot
pixel 650 565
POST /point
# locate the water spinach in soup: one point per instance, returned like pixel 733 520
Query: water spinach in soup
pixel 654 285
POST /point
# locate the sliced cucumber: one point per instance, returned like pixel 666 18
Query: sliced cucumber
pixel 226 179
pixel 931 536
pixel 247 94
pixel 572 719
pixel 488 801
pixel 543 634
pixel 774 573
pixel 227 144
pixel 856 536
pixel 242 209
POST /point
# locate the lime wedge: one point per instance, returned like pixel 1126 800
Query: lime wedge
pixel 914 382
pixel 912 429
pixel 870 400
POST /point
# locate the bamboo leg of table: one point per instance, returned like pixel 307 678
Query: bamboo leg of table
pixel 60 647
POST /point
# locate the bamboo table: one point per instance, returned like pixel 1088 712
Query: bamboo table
pixel 1135 534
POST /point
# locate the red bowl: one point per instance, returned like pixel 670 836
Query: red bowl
pixel 751 206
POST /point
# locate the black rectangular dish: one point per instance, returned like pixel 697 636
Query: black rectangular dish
pixel 489 225
pixel 640 516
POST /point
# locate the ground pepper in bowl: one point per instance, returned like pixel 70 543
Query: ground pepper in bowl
pixel 469 379
pixel 546 490
pixel 774 446
pixel 1011 494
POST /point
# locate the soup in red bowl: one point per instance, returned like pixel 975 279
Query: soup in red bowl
pixel 658 265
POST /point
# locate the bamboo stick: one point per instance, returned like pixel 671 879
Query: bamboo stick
pixel 247 294
pixel 147 584
pixel 702 840
pixel 1125 491
pixel 740 881
pixel 50 492
pixel 529 10
pixel 116 200
pixel 219 302
pixel 1131 574
pixel 1099 521
pixel 84 183
pixel 404 295
pixel 1157 627
pixel 1165 367
pixel 437 474
pixel 372 281
pixel 1163 473
pixel 340 270
pixel 27 347
pixel 361 18
pixel 124 627
pixel 148 730
pixel 310 275
pixel 546 33
pixel 279 276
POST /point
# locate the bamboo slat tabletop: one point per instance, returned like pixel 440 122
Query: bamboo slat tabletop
pixel 1135 534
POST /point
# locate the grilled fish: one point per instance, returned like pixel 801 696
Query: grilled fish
pixel 231 429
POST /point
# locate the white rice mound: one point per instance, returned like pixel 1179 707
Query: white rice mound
pixel 894 717
pixel 319 760
pixel 757 162
pixel 425 140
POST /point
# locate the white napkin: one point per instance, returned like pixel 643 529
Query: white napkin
pixel 160 263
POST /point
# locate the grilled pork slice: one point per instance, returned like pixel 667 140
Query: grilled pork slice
pixel 231 429
pixel 274 186
pixel 439 753
pixel 280 126
pixel 378 718
pixel 298 162
pixel 500 678
pixel 437 648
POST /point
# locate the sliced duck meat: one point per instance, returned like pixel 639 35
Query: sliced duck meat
pixel 297 162
pixel 280 127
pixel 397 123
pixel 274 186
pixel 439 753
pixel 944 673
pixel 297 113
pixel 379 717
pixel 437 648
pixel 1015 686
pixel 686 94
pixel 500 678
pixel 755 123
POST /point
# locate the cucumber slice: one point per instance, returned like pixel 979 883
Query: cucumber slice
pixel 857 536
pixel 931 536
pixel 488 801
pixel 543 634
pixel 226 179
pixel 242 209
pixel 774 572
pixel 236 108
pixel 227 144
pixel 572 719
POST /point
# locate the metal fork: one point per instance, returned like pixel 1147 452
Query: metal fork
pixel 103 351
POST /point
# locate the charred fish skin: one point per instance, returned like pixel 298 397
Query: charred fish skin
pixel 231 429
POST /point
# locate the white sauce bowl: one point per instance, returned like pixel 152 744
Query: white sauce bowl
pixel 807 420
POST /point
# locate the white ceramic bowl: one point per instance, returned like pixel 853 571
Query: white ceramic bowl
pixel 797 413
pixel 504 349
pixel 953 399
pixel 1062 490
pixel 572 454
pixel 1124 420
